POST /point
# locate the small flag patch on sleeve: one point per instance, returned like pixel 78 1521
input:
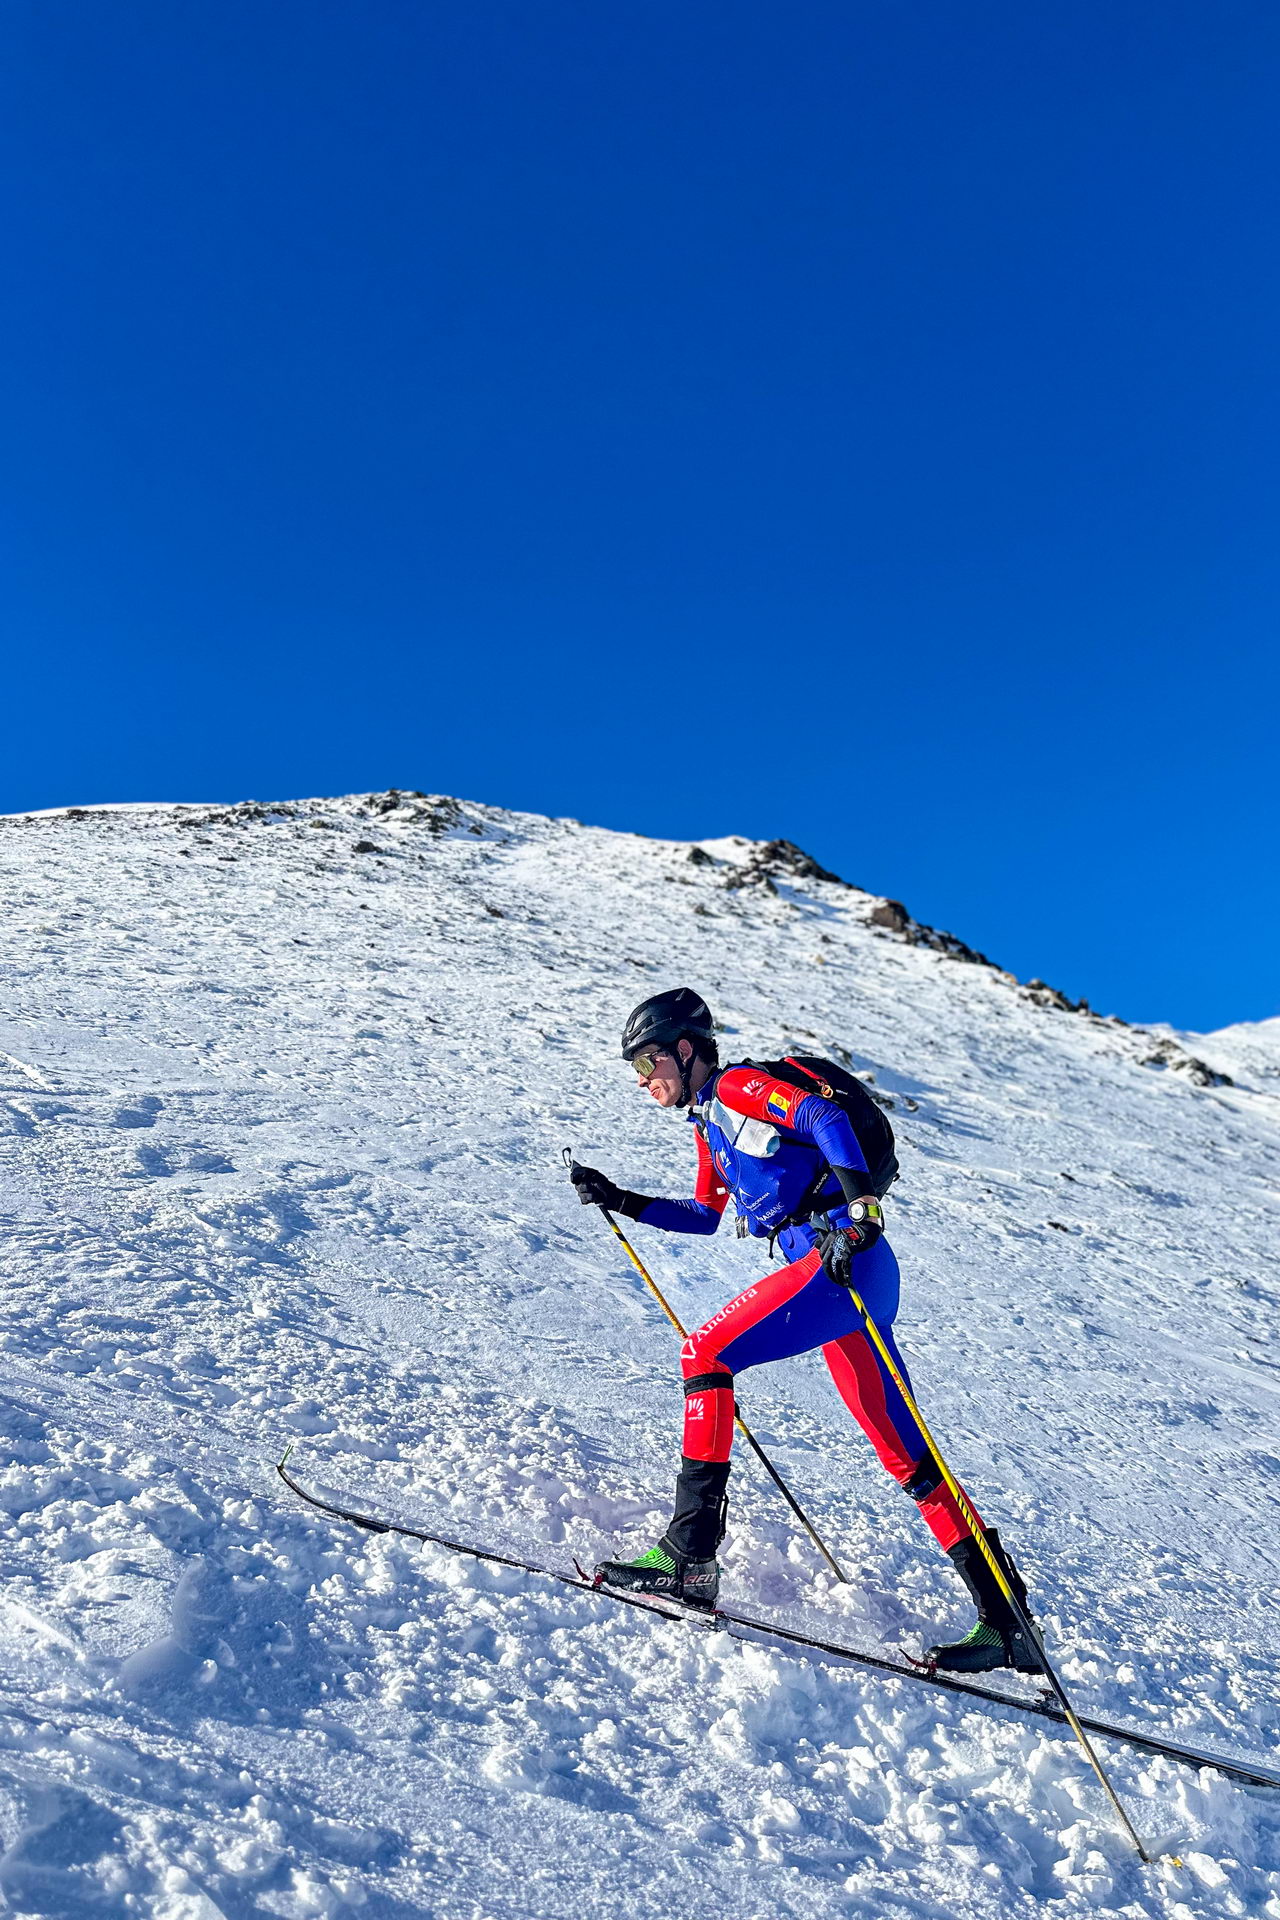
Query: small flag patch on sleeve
pixel 778 1104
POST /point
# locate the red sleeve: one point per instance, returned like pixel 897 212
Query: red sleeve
pixel 749 1091
pixel 710 1190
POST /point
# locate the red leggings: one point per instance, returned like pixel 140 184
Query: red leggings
pixel 792 1311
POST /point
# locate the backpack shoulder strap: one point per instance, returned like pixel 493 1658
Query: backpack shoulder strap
pixel 822 1086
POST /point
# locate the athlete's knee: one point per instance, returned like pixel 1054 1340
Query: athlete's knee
pixel 708 1382
pixel 709 1413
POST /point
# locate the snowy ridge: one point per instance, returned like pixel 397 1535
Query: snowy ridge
pixel 282 1093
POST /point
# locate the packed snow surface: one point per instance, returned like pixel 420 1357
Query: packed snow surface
pixel 283 1093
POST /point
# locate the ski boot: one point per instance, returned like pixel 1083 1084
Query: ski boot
pixel 665 1573
pixel 998 1639
pixel 683 1565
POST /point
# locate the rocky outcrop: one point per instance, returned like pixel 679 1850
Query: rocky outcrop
pixel 771 860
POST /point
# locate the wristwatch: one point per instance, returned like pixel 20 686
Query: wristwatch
pixel 866 1210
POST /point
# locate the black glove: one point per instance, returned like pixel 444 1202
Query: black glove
pixel 840 1245
pixel 598 1190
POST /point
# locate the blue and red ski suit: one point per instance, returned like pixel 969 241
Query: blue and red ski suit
pixel 764 1143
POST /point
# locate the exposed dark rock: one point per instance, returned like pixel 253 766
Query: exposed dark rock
pixel 365 846
pixel 749 876
pixel 774 860
pixel 1046 996
pixel 894 918
pixel 435 811
pixel 783 860
pixel 948 943
pixel 891 914
pixel 700 859
pixel 1167 1053
pixel 784 857
pixel 439 812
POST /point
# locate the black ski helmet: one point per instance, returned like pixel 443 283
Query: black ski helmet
pixel 666 1019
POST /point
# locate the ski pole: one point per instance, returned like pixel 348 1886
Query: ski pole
pixel 738 1420
pixel 983 1545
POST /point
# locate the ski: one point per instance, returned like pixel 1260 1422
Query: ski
pixel 739 1625
pixel 372 1524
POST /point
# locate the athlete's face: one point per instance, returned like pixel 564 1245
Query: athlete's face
pixel 663 1083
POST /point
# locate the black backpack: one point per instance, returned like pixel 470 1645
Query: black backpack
pixel 811 1074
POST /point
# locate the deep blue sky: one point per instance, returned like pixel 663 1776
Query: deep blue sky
pixel 854 422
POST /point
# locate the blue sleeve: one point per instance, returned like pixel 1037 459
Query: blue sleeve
pixel 680 1216
pixel 827 1127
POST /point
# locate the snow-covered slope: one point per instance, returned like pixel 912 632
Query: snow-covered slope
pixel 1250 1051
pixel 283 1092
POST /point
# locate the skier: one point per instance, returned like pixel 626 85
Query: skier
pixel 768 1145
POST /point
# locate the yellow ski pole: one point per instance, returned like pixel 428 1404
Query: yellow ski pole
pixel 975 1527
pixel 739 1422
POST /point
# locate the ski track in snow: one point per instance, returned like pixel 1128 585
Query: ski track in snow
pixel 280 1126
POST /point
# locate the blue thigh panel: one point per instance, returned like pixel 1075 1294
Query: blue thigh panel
pixel 821 1312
